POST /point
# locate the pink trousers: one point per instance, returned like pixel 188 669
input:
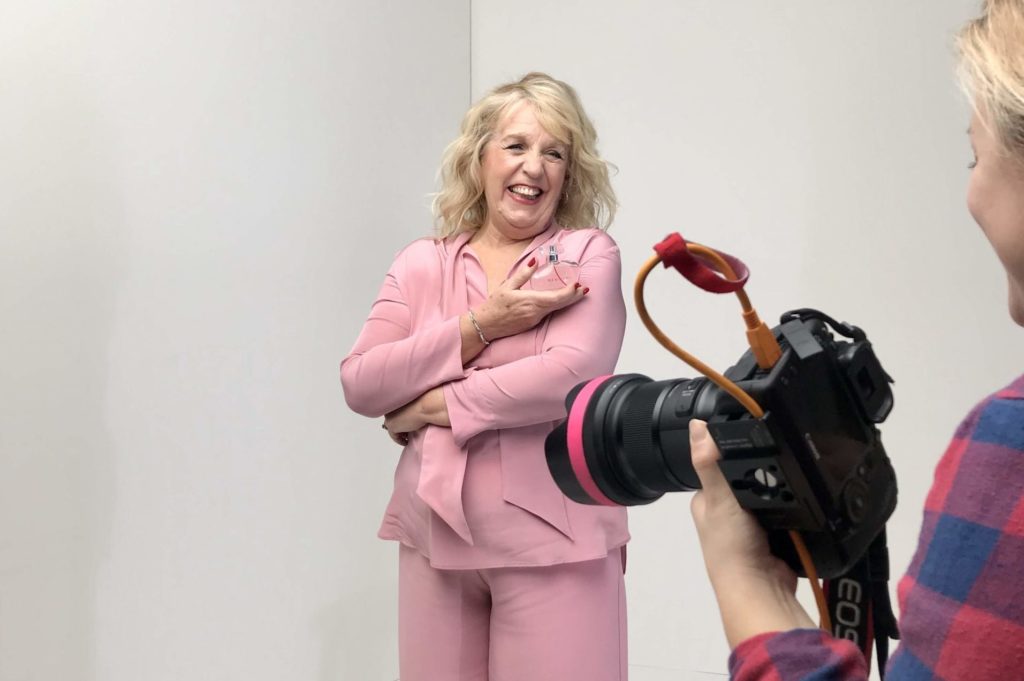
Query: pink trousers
pixel 559 623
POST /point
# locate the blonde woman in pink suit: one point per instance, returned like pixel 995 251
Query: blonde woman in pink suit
pixel 501 578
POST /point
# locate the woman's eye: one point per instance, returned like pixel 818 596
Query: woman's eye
pixel 515 147
pixel 556 154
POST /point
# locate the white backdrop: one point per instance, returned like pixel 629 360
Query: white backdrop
pixel 822 142
pixel 198 202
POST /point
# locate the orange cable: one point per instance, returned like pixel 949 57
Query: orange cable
pixel 724 383
pixel 766 350
pixel 825 623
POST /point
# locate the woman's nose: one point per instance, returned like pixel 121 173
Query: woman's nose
pixel 532 164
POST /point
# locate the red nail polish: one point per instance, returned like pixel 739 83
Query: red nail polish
pixel 576 285
pixel 533 261
pixel 586 290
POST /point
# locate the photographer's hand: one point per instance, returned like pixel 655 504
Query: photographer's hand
pixel 755 590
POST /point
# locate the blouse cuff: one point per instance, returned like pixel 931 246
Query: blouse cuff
pixel 468 410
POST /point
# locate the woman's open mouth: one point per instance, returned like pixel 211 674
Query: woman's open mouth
pixel 525 193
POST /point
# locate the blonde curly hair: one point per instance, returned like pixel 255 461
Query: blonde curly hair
pixel 588 199
pixel 991 52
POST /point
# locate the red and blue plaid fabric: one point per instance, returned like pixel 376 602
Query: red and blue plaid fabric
pixel 962 600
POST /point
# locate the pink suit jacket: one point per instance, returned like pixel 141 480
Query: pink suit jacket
pixel 511 400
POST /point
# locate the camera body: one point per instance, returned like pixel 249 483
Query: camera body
pixel 813 463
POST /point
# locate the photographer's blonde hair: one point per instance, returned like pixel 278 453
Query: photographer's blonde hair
pixel 991 51
pixel 587 199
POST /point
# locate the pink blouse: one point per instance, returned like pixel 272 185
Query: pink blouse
pixel 479 494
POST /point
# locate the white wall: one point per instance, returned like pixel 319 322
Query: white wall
pixel 197 202
pixel 823 143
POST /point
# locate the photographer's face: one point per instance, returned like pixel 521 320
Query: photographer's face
pixel 995 198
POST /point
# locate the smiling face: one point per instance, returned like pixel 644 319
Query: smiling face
pixel 523 171
pixel 995 198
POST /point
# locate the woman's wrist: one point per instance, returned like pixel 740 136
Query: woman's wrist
pixel 434 409
pixel 488 323
pixel 472 344
pixel 476 327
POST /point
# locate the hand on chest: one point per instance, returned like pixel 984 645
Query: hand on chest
pixel 485 271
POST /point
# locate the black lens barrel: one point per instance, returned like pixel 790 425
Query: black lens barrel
pixel 635 439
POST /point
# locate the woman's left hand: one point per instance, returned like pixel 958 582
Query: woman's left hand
pixel 429 408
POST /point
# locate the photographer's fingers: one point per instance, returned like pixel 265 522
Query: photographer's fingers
pixel 704 454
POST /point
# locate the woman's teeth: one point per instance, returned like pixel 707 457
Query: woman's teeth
pixel 529 192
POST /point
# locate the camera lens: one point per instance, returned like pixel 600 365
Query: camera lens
pixel 626 441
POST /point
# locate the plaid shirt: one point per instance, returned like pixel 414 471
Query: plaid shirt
pixel 962 600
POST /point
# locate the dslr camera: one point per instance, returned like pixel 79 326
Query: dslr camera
pixel 813 462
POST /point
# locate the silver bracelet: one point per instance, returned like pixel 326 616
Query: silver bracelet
pixel 472 318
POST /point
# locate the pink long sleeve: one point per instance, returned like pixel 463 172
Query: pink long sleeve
pixel 388 367
pixel 583 341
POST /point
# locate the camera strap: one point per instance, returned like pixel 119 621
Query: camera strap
pixel 674 252
pixel 860 607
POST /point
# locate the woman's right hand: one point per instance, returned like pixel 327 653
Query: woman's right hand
pixel 510 309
